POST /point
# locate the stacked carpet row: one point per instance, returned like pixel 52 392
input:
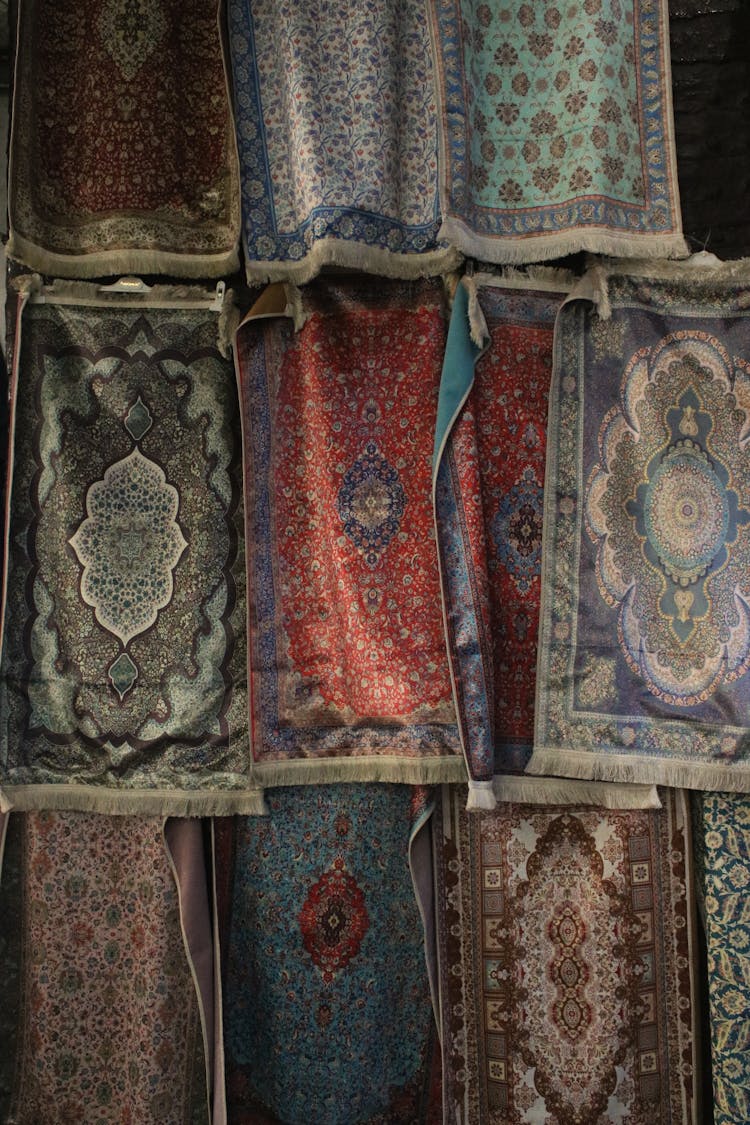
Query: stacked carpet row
pixel 391 137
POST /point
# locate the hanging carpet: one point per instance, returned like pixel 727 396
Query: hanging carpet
pixel 336 126
pixel 327 1011
pixel 645 624
pixel 101 1018
pixel 565 948
pixel 348 673
pixel 122 154
pixel 556 130
pixel 723 870
pixel 488 491
pixel 123 674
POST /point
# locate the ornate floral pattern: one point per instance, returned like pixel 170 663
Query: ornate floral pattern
pixel 327 1013
pixel 123 153
pixel 489 512
pixel 108 1025
pixel 673 556
pixel 124 657
pixel 333 920
pixel 723 824
pixel 564 964
pixel 556 128
pixel 371 503
pixel 356 182
pixel 348 655
pixel 647 541
pixel 129 545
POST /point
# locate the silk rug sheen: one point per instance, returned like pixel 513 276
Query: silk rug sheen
pixel 100 1018
pixel 327 1012
pixel 349 678
pixel 645 631
pixel 723 832
pixel 122 156
pixel 336 126
pixel 565 952
pixel 490 451
pixel 123 675
pixel 556 130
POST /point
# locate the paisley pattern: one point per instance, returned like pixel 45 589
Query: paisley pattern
pixel 123 664
pixel 336 125
pixel 723 825
pixel 646 619
pixel 327 1013
pixel 556 128
pixel 123 151
pixel 107 1025
pixel 490 487
pixel 349 674
pixel 564 948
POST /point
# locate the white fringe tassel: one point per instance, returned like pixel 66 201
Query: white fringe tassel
pixel 481 796
pixel 525 790
pixel 134 802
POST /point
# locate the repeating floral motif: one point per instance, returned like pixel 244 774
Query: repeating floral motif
pixel 647 536
pixel 336 121
pixel 348 655
pixel 10 956
pixel 108 1026
pixel 489 512
pixel 723 824
pixel 123 140
pixel 564 949
pixel 124 655
pixel 556 119
pixel 327 1013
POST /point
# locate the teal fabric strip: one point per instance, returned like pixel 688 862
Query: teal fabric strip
pixel 461 355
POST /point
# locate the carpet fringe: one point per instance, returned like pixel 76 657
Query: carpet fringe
pixel 107 263
pixel 481 796
pixel 645 771
pixel 295 306
pixel 548 245
pixel 229 322
pixel 355 256
pixel 478 330
pixel 563 791
pixel 135 802
pixel 317 771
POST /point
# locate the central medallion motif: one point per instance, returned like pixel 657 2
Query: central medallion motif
pixel 333 920
pixel 673 551
pixel 371 503
pixel 686 513
pixel 517 530
pixel 131 31
pixel 129 545
pixel 568 972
